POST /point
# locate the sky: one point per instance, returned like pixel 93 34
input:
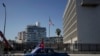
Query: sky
pixel 21 13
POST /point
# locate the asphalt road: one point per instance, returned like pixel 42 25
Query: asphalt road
pixel 21 54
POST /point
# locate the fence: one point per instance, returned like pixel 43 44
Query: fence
pixel 82 48
pixel 71 48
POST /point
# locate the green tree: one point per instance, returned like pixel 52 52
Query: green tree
pixel 58 31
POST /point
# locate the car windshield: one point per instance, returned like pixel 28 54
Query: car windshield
pixel 44 50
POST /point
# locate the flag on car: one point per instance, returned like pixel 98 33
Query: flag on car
pixel 42 44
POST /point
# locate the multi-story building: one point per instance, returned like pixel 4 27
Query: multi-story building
pixel 54 42
pixel 34 33
pixel 21 37
pixel 55 39
pixel 81 23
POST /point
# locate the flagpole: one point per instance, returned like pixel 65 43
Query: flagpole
pixel 49 26
pixel 49 30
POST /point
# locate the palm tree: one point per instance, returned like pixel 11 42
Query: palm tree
pixel 58 31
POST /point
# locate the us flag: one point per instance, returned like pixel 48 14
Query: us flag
pixel 50 22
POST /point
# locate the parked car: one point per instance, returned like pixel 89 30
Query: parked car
pixel 45 52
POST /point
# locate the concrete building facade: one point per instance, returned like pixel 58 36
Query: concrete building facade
pixel 70 23
pixel 81 22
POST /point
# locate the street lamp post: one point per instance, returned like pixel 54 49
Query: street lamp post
pixel 5 18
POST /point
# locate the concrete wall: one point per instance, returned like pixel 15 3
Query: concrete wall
pixel 88 23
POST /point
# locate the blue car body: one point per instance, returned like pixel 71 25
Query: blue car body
pixel 45 52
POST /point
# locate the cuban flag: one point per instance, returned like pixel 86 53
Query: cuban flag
pixel 41 45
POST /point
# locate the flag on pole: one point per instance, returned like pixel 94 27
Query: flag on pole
pixel 50 22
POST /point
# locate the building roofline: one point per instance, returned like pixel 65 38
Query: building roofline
pixel 67 5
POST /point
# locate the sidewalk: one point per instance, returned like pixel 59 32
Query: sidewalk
pixel 14 54
pixel 84 54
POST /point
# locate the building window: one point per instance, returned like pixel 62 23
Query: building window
pixel 90 3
